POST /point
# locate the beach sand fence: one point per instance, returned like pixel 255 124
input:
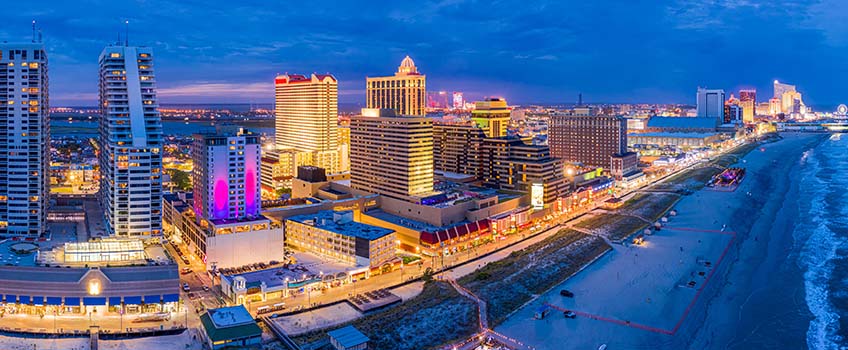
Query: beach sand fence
pixel 706 275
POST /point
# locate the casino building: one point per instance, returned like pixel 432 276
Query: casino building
pixel 83 290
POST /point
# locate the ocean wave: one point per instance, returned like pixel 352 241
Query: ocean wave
pixel 819 248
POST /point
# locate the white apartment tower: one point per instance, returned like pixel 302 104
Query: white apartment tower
pixel 24 139
pixel 130 142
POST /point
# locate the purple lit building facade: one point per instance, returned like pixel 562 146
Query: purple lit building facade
pixel 226 175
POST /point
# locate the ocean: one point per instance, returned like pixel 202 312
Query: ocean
pixel 787 288
pixel 820 241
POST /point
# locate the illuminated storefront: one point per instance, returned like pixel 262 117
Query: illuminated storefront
pixel 50 290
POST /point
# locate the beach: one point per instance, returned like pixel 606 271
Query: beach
pixel 644 296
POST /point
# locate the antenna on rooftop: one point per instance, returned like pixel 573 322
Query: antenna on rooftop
pixel 127 33
pixel 33 31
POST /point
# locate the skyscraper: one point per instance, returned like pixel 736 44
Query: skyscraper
pixel 790 99
pixel 591 140
pixel 405 92
pixel 24 140
pixel 226 175
pixel 782 88
pixel 513 164
pixel 306 112
pixel 491 115
pixel 734 113
pixel 748 101
pixel 130 142
pixel 711 103
pixel 458 101
pixel 391 155
pixel 456 147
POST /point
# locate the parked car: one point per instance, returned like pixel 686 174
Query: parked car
pixel 186 287
pixel 185 271
pixel 566 293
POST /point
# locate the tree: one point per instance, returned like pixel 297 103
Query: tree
pixel 428 275
pixel 282 192
pixel 180 179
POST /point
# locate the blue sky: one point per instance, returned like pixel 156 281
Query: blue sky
pixel 527 51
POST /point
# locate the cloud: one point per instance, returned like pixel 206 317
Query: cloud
pixel 527 51
pixel 217 89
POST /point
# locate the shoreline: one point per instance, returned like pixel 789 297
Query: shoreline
pixel 696 213
pixel 760 251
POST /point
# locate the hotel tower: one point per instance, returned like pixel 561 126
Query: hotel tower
pixel 307 119
pixel 24 139
pixel 391 155
pixel 306 112
pixel 226 175
pixel 405 92
pixel 130 142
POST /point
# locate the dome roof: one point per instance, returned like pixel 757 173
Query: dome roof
pixel 407 62
pixel 407 66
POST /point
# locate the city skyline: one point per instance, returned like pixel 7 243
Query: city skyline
pixel 559 57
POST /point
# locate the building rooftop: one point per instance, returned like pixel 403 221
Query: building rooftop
pixel 401 221
pixel 682 122
pixel 229 323
pixel 686 135
pixel 230 316
pixel 348 336
pixel 335 222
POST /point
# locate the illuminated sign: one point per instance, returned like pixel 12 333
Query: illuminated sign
pixel 537 196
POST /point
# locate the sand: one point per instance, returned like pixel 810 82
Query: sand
pixel 641 284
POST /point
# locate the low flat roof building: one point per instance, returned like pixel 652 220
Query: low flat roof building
pixel 222 243
pixel 674 139
pixel 348 338
pixel 335 235
pixel 230 327
pixel 123 289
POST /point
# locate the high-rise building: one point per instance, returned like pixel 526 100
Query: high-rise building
pixel 130 142
pixel 226 175
pixel 782 88
pixel 458 101
pixel 491 115
pixel 511 163
pixel 711 103
pixel 590 140
pixel 279 167
pixel 220 221
pixel 24 140
pixel 456 147
pixel 306 112
pixel 437 100
pixel 774 106
pixel 748 101
pixel 733 113
pixel 790 99
pixel 405 92
pixel 391 155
